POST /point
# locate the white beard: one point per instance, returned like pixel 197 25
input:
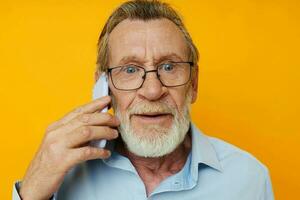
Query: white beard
pixel 154 140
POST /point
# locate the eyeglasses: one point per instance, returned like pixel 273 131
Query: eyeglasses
pixel 132 77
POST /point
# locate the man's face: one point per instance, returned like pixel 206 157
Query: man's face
pixel 150 112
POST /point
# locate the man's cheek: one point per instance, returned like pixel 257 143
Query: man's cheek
pixel 125 105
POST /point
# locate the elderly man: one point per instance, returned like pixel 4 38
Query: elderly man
pixel 151 64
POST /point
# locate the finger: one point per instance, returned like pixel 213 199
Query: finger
pixel 89 153
pixel 97 119
pixel 100 119
pixel 53 126
pixel 93 106
pixel 85 134
pixel 96 105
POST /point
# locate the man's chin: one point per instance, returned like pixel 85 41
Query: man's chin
pixel 150 131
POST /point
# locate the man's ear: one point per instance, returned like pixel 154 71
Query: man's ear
pixel 195 84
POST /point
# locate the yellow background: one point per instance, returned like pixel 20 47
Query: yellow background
pixel 248 86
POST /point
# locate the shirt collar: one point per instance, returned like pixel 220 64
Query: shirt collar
pixel 202 152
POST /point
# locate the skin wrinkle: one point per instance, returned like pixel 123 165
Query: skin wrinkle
pixel 135 60
pixel 152 170
pixel 135 137
pixel 143 51
pixel 126 41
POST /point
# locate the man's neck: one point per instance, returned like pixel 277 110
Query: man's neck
pixel 154 170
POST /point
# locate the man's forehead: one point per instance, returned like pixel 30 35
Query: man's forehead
pixel 142 40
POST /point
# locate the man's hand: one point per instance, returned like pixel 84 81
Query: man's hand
pixel 65 144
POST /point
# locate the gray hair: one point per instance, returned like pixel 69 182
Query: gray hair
pixel 141 10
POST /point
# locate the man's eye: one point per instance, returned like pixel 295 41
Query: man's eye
pixel 130 69
pixel 167 67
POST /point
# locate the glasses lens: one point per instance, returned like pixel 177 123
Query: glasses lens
pixel 173 74
pixel 127 77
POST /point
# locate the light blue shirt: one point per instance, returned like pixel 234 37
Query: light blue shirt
pixel 214 170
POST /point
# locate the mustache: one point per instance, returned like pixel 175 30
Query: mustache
pixel 154 107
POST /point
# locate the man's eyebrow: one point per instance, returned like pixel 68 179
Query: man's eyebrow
pixel 127 59
pixel 169 56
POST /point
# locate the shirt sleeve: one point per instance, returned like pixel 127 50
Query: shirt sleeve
pixel 16 196
pixel 267 193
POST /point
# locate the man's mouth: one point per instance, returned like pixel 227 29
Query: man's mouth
pixel 152 117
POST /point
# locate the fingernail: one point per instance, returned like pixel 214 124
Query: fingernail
pixel 115 133
pixel 117 120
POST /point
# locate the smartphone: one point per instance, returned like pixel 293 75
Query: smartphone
pixel 101 89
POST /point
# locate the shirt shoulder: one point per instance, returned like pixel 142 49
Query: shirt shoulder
pixel 229 154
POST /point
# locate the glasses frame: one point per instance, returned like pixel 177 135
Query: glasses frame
pixel 191 64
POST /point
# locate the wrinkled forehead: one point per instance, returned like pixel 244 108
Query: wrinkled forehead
pixel 146 41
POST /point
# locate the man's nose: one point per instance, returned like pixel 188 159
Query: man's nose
pixel 152 89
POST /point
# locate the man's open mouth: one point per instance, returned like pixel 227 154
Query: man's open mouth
pixel 152 117
pixel 153 114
